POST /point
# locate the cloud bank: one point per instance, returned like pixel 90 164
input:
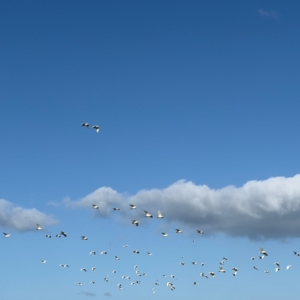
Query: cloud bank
pixel 268 208
pixel 22 219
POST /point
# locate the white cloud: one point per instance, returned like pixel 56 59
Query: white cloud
pixel 265 13
pixel 268 208
pixel 22 219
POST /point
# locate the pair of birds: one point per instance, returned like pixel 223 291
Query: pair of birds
pixel 87 125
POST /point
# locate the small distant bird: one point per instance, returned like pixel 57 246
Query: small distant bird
pixel 202 264
pixel 255 268
pixel 173 276
pixel 43 261
pixel 252 258
pixel 296 253
pixel 159 215
pixel 87 125
pixel 93 252
pixel 195 283
pixel 212 274
pixel 266 271
pixel 149 253
pixel 116 208
pixel 262 251
pixel 235 273
pixel 178 230
pixel 114 271
pixel 132 206
pixel 277 264
pixel 93 282
pixel 93 269
pixel 63 233
pixel 48 236
pixel 225 258
pixel 38 227
pixel 79 283
pixel 235 269
pixel 83 269
pixel 125 246
pixel 194 262
pixel 64 265
pixel 164 234
pixel 287 267
pixel 84 238
pixel 95 206
pixel 96 127
pixel 6 235
pixel 103 252
pixel 135 222
pixel 105 279
pixel 200 231
pixel 117 258
pixel 58 235
pixel 181 263
pixel 136 251
pixel 277 269
pixel 261 257
pixel 221 269
pixel 135 266
pixel 147 214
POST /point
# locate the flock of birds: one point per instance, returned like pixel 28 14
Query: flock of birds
pixel 169 284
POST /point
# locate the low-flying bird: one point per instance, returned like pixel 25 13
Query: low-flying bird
pixel 135 222
pixel 6 235
pixel 38 227
pixel 147 214
pixel 132 206
pixel 87 125
pixel 159 215
pixel 96 127
pixel 262 251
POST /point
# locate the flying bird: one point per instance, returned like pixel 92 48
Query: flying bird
pixel 262 251
pixel 135 222
pixel 164 234
pixel 95 206
pixel 132 206
pixel 84 238
pixel 178 230
pixel 83 269
pixel 93 252
pixel 63 233
pixel 44 261
pixel 6 235
pixel 200 231
pixel 159 215
pixel 287 267
pixel 87 125
pixel 38 227
pixel 147 214
pixel 93 269
pixel 116 208
pixel 96 127
pixel 48 236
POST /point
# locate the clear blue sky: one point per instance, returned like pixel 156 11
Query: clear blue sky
pixel 202 91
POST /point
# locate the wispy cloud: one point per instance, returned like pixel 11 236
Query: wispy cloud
pixel 22 219
pixel 87 294
pixel 268 14
pixel 107 294
pixel 268 208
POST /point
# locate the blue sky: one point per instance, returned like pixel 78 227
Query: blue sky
pixel 198 105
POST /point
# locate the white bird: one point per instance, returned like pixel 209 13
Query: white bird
pixel 117 258
pixel 87 125
pixel 48 236
pixel 277 269
pixel 125 246
pixel 58 235
pixel 96 127
pixel 6 235
pixel 194 262
pixel 178 230
pixel 116 208
pixel 93 268
pixel 235 273
pixel 93 252
pixel 225 258
pixel 261 257
pixel 135 222
pixel 132 206
pixel 43 261
pixel 221 269
pixel 262 251
pixel 149 253
pixel 38 227
pixel 84 238
pixel 287 267
pixel 200 231
pixel 95 206
pixel 103 252
pixel 159 215
pixel 164 234
pixel 147 214
pixel 83 269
